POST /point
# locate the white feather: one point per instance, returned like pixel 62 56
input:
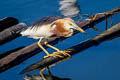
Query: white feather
pixel 38 32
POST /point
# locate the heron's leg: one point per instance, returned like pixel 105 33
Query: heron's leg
pixel 48 70
pixel 58 51
pixel 46 43
pixel 41 74
pixel 39 44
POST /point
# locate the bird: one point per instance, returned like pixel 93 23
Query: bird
pixel 51 27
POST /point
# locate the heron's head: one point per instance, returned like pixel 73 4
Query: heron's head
pixel 71 25
pixel 64 27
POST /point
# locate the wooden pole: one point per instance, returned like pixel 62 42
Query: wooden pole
pixel 109 34
pixel 7 22
pixel 17 57
pixel 9 52
pixel 11 33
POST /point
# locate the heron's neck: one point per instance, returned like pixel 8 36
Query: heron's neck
pixel 61 30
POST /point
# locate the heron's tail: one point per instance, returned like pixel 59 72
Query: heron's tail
pixel 27 32
pixel 24 32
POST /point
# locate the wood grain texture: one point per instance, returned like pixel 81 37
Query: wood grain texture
pixel 11 33
pixel 7 22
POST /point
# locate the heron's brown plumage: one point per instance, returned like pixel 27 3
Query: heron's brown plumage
pixel 48 27
pixel 60 29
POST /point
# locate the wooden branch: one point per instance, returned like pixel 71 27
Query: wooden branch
pixel 11 33
pixel 7 22
pixel 99 17
pixel 10 51
pixel 106 35
pixel 27 52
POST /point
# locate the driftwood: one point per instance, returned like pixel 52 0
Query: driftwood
pixel 9 52
pixel 7 22
pixel 17 57
pixel 11 33
pixel 109 34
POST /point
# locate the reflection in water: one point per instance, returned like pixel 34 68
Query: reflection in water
pixel 69 8
pixel 38 77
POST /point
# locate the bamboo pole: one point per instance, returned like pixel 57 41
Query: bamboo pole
pixel 9 52
pixel 11 33
pixel 7 22
pixel 17 57
pixel 109 34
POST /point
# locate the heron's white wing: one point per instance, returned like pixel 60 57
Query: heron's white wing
pixel 37 29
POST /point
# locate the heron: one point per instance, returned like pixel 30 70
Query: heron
pixel 51 27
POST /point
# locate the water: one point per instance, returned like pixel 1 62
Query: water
pixel 96 63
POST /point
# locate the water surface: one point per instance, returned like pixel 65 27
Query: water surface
pixel 96 63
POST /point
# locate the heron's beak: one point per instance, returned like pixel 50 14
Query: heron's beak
pixel 79 29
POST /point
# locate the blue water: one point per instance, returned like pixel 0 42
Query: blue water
pixel 96 63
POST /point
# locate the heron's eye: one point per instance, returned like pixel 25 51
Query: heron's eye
pixel 71 24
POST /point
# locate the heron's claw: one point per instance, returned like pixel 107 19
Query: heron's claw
pixel 65 53
pixel 61 54
pixel 53 55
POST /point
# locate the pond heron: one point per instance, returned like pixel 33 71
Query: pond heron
pixel 51 27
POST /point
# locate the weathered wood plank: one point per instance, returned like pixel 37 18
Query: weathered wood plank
pixel 9 52
pixel 11 33
pixel 7 22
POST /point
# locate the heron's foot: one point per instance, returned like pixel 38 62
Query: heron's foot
pixel 53 55
pixel 60 54
pixel 65 53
